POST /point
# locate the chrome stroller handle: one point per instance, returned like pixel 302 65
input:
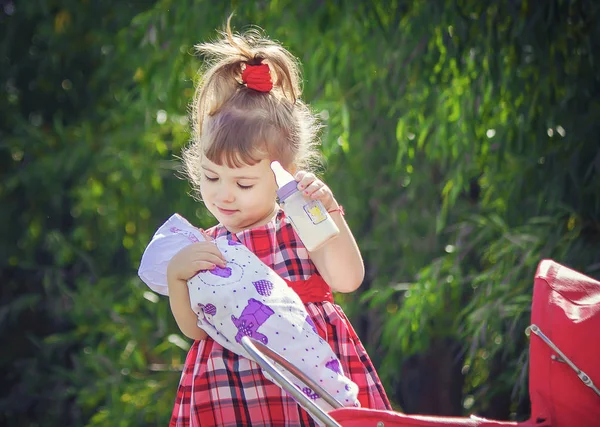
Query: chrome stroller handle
pixel 260 354
pixel 562 357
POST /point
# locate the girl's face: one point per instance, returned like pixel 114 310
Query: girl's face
pixel 240 198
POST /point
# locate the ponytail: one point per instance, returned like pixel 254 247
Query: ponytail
pixel 227 59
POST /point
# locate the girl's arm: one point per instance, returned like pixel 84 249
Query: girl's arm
pixel 186 319
pixel 184 265
pixel 339 261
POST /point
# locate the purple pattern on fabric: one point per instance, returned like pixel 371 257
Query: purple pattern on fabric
pixel 308 392
pixel 204 309
pixel 334 365
pixel 311 394
pixel 210 309
pixel 253 316
pixel 263 287
pixel 311 323
pixel 233 243
pixel 187 234
pixel 223 272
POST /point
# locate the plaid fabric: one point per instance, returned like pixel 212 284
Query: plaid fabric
pixel 220 388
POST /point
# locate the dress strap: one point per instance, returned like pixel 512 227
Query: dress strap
pixel 313 289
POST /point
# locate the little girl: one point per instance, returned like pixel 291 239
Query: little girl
pixel 247 113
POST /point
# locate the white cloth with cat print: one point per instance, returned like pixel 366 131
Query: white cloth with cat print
pixel 246 297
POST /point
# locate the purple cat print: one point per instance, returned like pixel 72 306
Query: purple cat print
pixel 253 316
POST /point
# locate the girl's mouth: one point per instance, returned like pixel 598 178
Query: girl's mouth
pixel 226 211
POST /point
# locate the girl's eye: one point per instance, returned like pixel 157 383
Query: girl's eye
pixel 209 178
pixel 245 187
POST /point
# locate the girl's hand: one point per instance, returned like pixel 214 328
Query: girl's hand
pixel 194 258
pixel 313 188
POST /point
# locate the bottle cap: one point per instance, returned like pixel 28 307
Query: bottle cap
pixel 287 190
pixel 285 181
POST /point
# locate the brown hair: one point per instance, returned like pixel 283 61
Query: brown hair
pixel 235 125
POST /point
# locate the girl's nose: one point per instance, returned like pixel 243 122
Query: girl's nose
pixel 225 194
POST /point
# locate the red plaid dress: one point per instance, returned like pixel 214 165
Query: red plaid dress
pixel 220 388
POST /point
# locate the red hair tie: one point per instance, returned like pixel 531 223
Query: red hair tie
pixel 258 77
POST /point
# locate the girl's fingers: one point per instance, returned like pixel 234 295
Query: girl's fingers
pixel 213 258
pixel 208 252
pixel 209 257
pixel 312 188
pixel 305 180
pixel 209 247
pixel 319 194
pixel 299 175
pixel 203 265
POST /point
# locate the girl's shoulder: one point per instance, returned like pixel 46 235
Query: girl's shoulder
pixel 278 223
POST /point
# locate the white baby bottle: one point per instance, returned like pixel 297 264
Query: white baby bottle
pixel 309 218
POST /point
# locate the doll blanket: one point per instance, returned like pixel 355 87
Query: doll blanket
pixel 247 298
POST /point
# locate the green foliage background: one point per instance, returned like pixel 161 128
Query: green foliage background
pixel 462 139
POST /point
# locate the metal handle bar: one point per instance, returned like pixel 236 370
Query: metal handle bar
pixel 585 378
pixel 259 353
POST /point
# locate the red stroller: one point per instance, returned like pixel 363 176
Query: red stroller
pixel 564 357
